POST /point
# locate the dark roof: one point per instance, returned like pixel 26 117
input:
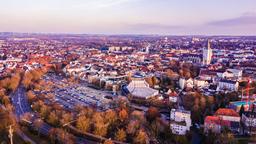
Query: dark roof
pixel 250 114
pixel 228 81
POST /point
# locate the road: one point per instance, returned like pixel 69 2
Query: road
pixel 20 102
pixel 22 106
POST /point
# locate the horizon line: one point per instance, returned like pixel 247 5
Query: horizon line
pixel 129 34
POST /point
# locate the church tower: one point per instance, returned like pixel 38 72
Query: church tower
pixel 207 54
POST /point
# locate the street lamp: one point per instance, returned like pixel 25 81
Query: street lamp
pixel 11 134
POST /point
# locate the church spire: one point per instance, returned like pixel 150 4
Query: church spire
pixel 209 44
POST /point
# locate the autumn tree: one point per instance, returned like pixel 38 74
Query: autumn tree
pixel 44 110
pixel 99 127
pixel 53 118
pixel 66 118
pixel 110 116
pixel 27 116
pixel 132 127
pixel 152 114
pixel 83 123
pixel 108 141
pixel 120 135
pixel 123 115
pixel 38 124
pixel 64 137
pixel 31 96
pixel 141 137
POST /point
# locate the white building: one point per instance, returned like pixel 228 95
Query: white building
pixel 180 121
pixel 186 83
pixel 173 96
pixel 139 88
pixel 207 55
pixel 227 85
pixel 200 83
pixel 178 128
pixel 249 120
pixel 234 74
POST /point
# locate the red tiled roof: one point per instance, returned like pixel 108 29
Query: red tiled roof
pixel 216 120
pixel 226 112
pixel 173 94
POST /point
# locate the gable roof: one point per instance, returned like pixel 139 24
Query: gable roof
pixel 226 112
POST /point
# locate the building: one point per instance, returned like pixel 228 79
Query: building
pixel 200 83
pixel 186 83
pixel 237 105
pixel 173 96
pixel 193 58
pixel 231 116
pixel 227 85
pixel 223 117
pixel 233 74
pixel 214 123
pixel 249 121
pixel 140 89
pixel 180 121
pixel 207 55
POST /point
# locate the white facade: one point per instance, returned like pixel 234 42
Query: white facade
pixel 139 88
pixel 178 129
pixel 228 85
pixel 173 99
pixel 249 121
pixel 230 118
pixel 207 55
pixel 181 121
pixel 183 83
pixel 200 82
pixel 231 74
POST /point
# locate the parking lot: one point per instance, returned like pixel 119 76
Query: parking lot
pixel 70 95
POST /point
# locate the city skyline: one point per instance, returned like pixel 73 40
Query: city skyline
pixel 168 17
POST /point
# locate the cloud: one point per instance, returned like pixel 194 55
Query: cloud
pixel 245 19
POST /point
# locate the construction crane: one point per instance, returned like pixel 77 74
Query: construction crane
pixel 247 89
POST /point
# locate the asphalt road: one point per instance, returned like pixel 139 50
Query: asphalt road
pixel 22 106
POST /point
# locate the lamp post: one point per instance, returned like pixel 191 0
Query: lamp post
pixel 11 134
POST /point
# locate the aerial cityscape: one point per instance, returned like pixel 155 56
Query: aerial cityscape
pixel 128 72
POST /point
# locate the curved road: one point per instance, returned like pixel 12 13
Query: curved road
pixel 22 106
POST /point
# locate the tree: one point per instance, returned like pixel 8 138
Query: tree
pixel 141 138
pixel 53 135
pixel 108 141
pixel 38 124
pixel 53 118
pixel 241 110
pixel 132 127
pixel 44 110
pixel 27 116
pixel 31 96
pixel 149 80
pixel 120 135
pixel 64 137
pixel 5 100
pixel 152 114
pixel 253 108
pixel 181 140
pixel 27 80
pixel 66 118
pixel 83 123
pixel 15 80
pixel 226 137
pixel 123 115
pixel 110 116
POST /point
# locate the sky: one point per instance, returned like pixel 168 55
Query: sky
pixel 166 17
